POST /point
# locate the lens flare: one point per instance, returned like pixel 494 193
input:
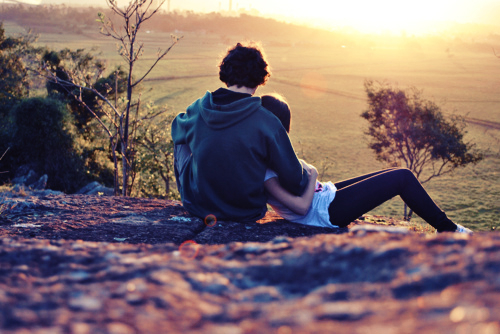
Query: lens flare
pixel 189 249
pixel 210 220
pixel 313 85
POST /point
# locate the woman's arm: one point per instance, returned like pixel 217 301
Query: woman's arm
pixel 298 204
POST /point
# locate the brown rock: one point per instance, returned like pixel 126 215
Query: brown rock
pixel 90 264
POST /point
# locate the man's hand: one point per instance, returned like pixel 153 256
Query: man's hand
pixel 311 170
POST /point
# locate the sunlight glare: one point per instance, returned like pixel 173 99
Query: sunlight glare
pixel 392 16
pixel 313 85
pixel 32 2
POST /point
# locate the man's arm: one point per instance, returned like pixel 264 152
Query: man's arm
pixel 182 154
pixel 297 204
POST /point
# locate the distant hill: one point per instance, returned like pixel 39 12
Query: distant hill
pixel 96 3
pixel 56 2
pixel 59 17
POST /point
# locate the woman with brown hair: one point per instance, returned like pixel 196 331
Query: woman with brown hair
pixel 338 204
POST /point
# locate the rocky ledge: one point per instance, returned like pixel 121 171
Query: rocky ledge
pixel 91 264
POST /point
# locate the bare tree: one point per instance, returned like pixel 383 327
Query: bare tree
pixel 133 17
pixel 117 117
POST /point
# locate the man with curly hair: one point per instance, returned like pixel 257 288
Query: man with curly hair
pixel 226 140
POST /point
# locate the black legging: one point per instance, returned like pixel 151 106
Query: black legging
pixel 361 194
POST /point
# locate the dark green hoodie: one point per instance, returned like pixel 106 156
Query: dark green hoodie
pixel 232 145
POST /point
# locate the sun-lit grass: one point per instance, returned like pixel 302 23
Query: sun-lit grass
pixel 324 86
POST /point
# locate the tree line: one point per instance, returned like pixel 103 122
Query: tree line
pixel 52 18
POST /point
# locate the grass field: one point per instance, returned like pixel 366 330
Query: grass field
pixel 324 86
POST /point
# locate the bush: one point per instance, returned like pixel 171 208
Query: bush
pixel 44 139
pixel 407 130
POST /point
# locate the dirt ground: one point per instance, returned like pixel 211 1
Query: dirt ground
pixel 91 264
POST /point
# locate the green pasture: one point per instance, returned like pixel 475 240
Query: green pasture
pixel 324 86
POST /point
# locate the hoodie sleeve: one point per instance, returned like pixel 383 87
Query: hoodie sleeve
pixel 284 161
pixel 182 123
pixel 178 129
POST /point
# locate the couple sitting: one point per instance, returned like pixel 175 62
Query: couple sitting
pixel 233 156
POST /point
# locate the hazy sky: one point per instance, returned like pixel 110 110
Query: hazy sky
pixel 365 15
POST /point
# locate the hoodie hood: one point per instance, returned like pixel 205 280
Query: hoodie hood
pixel 218 116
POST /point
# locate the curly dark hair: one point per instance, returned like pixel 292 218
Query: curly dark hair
pixel 244 66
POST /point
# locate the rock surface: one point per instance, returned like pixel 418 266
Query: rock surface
pixel 29 178
pixel 95 188
pixel 91 264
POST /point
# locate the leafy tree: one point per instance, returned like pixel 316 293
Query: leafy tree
pixel 14 85
pixel 70 71
pixel 17 57
pixel 408 130
pixel 14 82
pixel 153 163
pixel 89 70
pixel 68 61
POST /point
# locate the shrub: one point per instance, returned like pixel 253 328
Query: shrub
pixel 44 139
pixel 407 130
